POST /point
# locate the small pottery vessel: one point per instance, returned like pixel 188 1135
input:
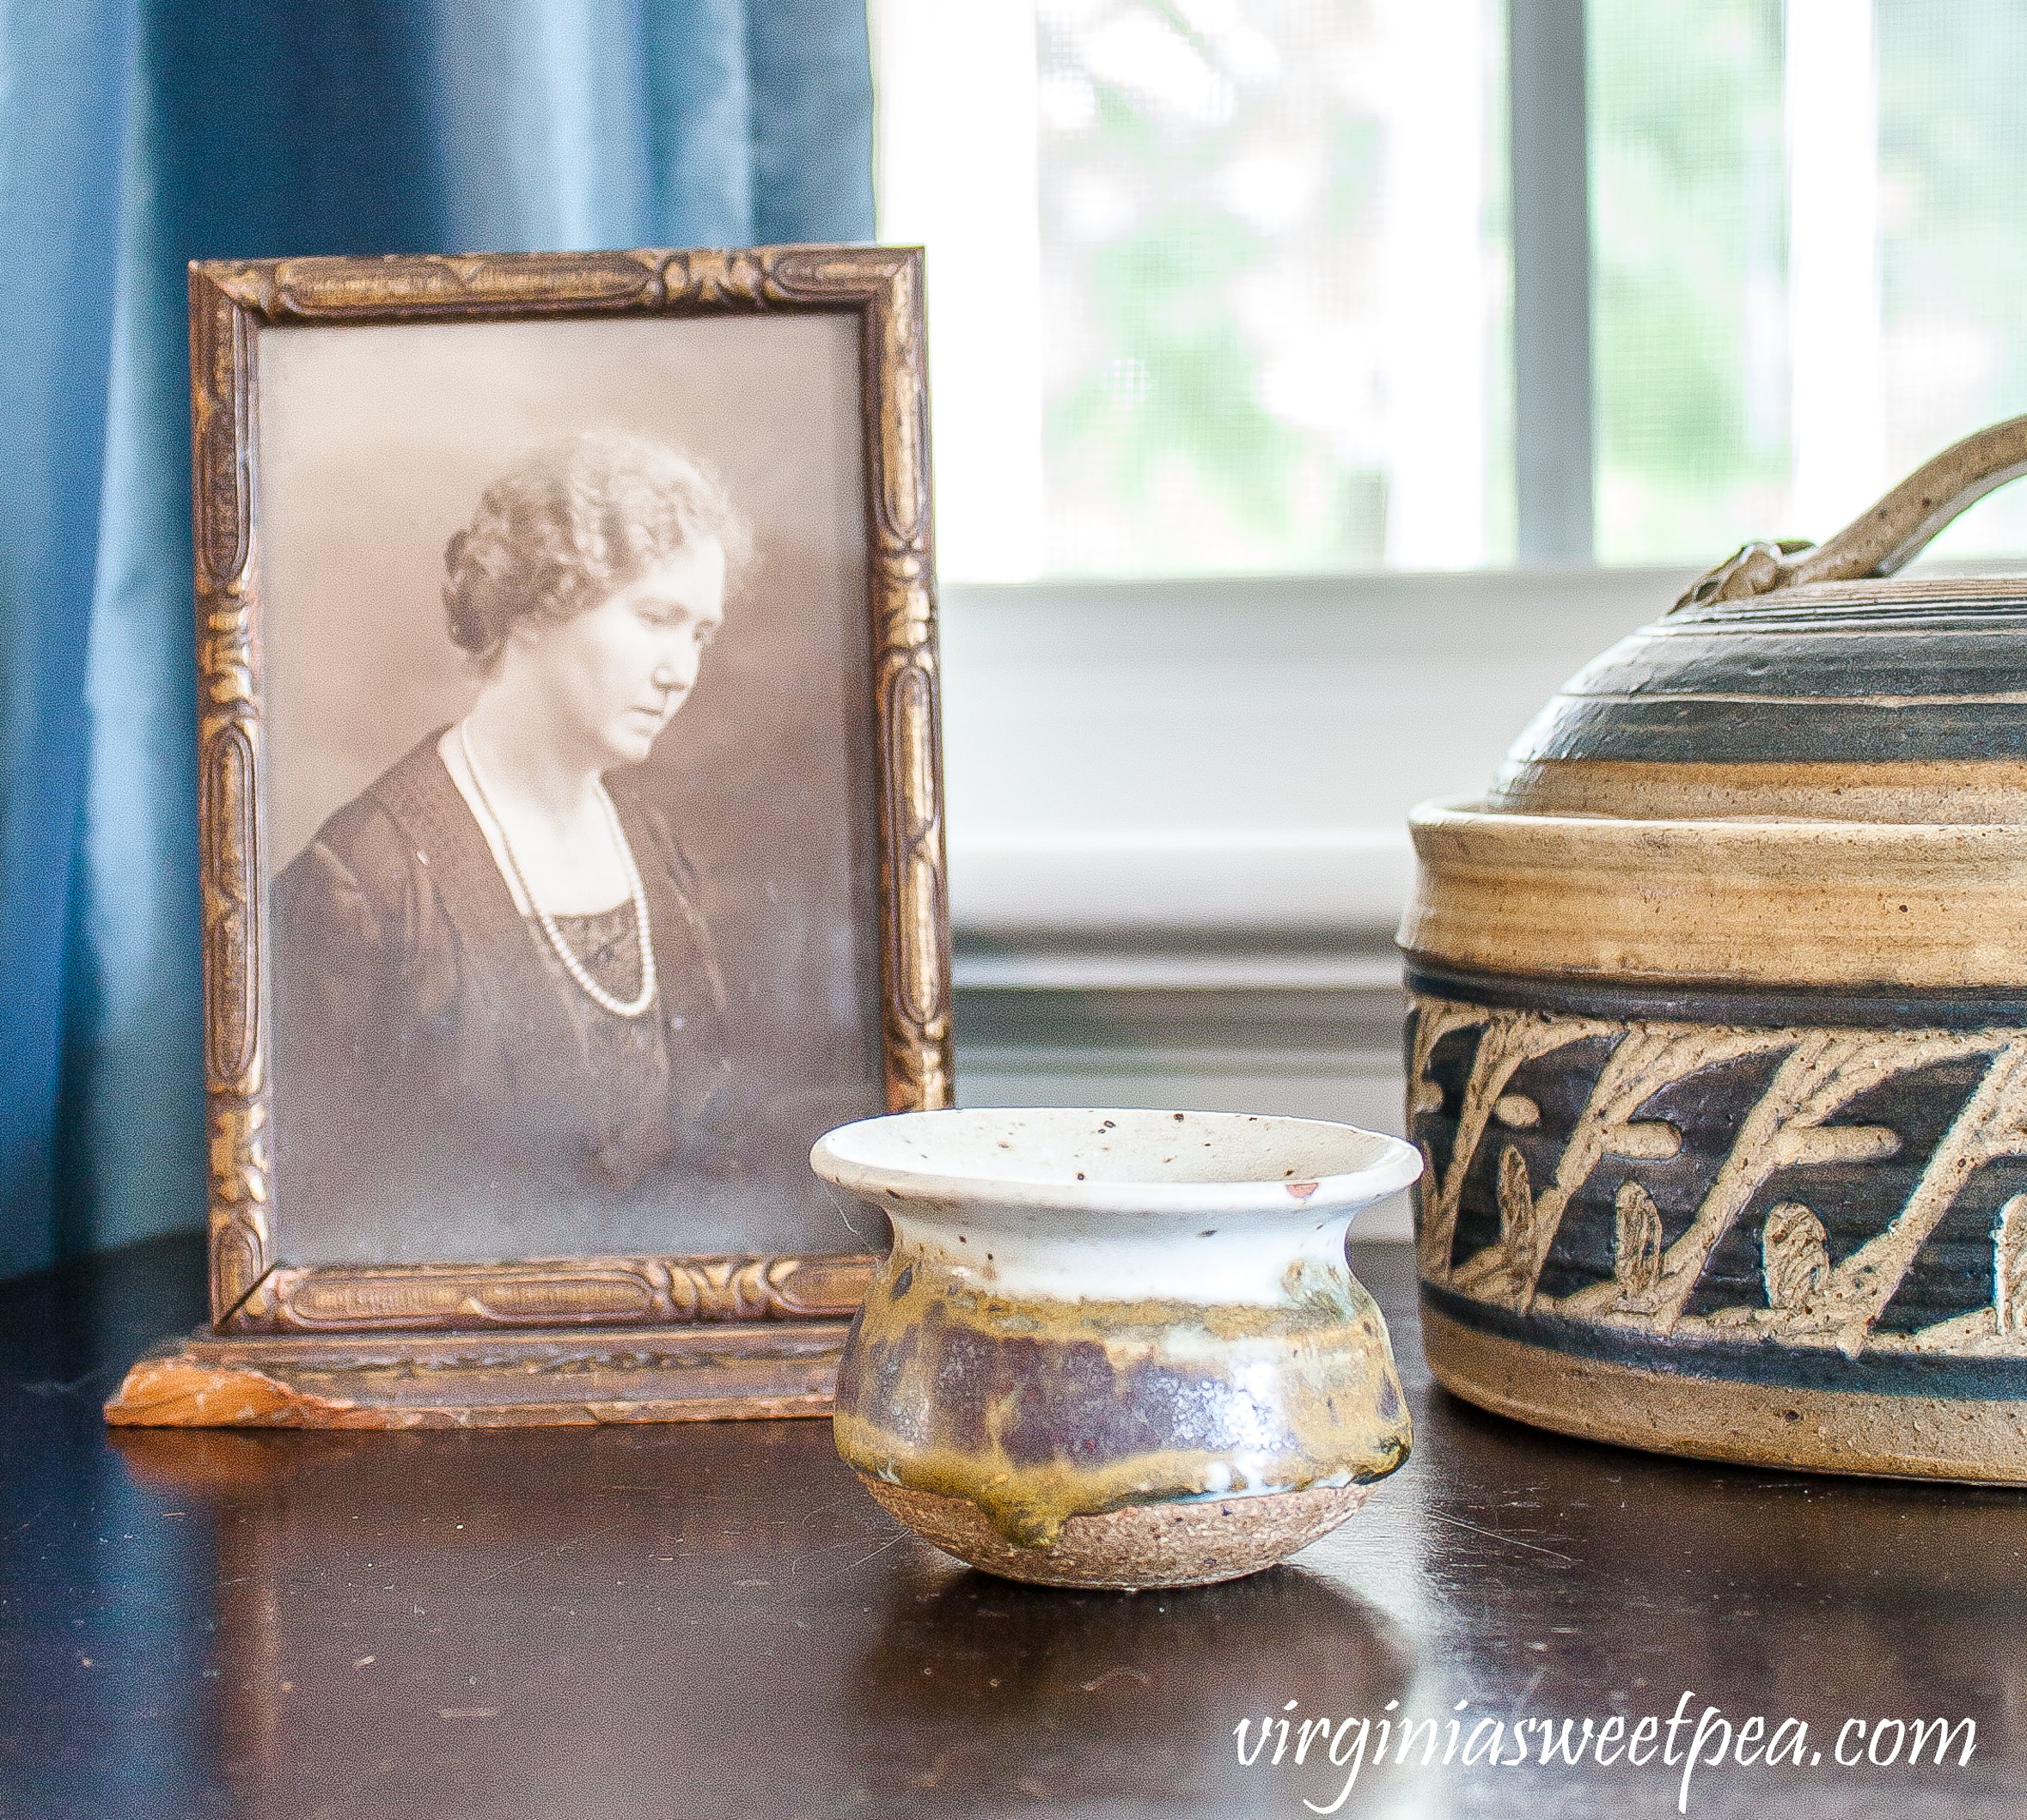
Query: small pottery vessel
pixel 1118 1348
pixel 1718 1045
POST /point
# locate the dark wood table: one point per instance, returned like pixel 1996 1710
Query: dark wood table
pixel 641 1622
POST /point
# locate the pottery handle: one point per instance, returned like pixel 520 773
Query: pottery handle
pixel 1883 540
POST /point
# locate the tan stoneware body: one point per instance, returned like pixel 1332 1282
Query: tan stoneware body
pixel 1118 1348
pixel 1717 1052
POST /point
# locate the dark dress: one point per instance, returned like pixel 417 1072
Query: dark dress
pixel 442 1087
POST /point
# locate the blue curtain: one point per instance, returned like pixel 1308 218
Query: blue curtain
pixel 136 135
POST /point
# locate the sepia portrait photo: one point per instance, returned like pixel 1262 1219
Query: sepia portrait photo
pixel 577 812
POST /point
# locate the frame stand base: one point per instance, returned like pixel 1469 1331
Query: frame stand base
pixel 485 1380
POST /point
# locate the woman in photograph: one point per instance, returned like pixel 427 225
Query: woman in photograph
pixel 495 992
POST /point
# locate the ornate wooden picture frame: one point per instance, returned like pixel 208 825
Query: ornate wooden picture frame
pixel 382 1339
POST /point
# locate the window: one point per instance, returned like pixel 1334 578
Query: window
pixel 1274 286
pixel 1257 251
pixel 1226 286
pixel 1809 278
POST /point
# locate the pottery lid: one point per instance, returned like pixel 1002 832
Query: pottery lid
pixel 1807 774
pixel 1798 681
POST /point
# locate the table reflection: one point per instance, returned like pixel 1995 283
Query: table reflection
pixel 704 1619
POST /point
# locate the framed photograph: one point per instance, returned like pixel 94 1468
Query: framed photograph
pixel 572 846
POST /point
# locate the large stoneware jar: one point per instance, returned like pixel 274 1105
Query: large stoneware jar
pixel 1717 1047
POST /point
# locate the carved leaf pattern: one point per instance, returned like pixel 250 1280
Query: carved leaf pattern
pixel 1646 1057
pixel 1516 1205
pixel 1992 1124
pixel 2009 1267
pixel 1636 1243
pixel 1502 1271
pixel 1510 1040
pixel 1794 1261
pixel 1790 1124
pixel 1430 1020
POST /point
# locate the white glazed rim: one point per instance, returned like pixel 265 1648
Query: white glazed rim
pixel 1395 1164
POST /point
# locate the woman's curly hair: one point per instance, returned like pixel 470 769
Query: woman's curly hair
pixel 571 524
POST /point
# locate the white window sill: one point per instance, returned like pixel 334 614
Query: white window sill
pixel 1125 759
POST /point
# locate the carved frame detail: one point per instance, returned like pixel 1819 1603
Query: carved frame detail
pixel 252 1289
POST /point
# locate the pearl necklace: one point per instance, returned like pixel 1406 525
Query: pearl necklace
pixel 575 968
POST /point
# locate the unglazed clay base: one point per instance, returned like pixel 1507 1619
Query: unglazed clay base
pixel 1145 1545
pixel 1893 1434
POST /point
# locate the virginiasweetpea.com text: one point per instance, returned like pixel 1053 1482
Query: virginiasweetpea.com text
pixel 1686 1742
